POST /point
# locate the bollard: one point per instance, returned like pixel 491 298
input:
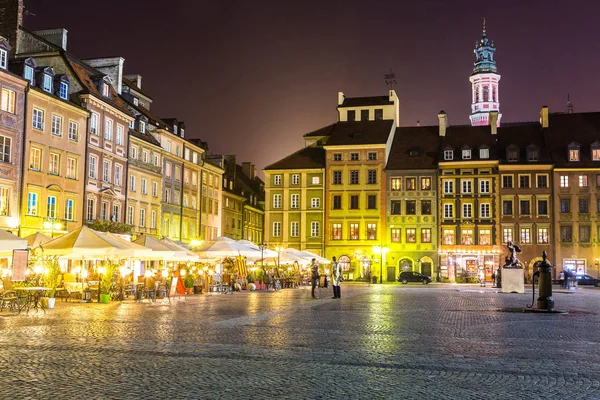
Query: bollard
pixel 545 300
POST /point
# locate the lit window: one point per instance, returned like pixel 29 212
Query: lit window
pixel 143 130
pixel 543 235
pixel 3 201
pixel 105 89
pixel 94 124
pixel 47 83
pixel 8 101
pixel 484 153
pixel 316 180
pixel 485 237
pixel 69 206
pixel 32 204
pixel 372 231
pixel 449 236
pixel 467 236
pixel 507 235
pixel 5 149
pixel 54 163
pixel 564 181
pixel 71 168
pixel 574 155
pixel 396 183
pixel 583 181
pixel 56 125
pixel 73 131
pixel 336 231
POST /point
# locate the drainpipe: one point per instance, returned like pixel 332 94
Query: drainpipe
pixel 23 149
pixel 181 203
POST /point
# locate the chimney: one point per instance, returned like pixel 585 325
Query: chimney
pixel 493 120
pixel 544 116
pixel 136 79
pixel 418 123
pixel 112 66
pixel 443 121
pixel 248 169
pixel 341 98
pixel 11 17
pixel 55 36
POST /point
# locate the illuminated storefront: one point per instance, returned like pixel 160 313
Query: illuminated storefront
pixel 456 262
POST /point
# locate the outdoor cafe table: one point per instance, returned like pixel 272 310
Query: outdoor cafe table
pixel 35 292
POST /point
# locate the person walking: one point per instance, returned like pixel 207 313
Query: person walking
pixel 336 278
pixel 493 279
pixel 314 276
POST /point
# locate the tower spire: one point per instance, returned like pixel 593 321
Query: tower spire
pixel 484 25
pixel 569 104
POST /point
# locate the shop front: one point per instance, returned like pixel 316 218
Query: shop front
pixel 457 263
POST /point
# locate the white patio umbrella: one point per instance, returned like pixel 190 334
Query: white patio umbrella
pixel 183 253
pixel 227 247
pixel 265 253
pixel 10 242
pixel 310 256
pixel 160 250
pixel 35 239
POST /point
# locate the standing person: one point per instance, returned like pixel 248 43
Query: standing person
pixel 493 278
pixel 482 278
pixel 314 276
pixel 336 278
pixel 561 278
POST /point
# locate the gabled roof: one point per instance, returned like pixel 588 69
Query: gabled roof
pixel 563 129
pixel 147 137
pixel 133 86
pixel 306 158
pixel 523 136
pixel 366 101
pixel 414 147
pixel 324 131
pixel 360 132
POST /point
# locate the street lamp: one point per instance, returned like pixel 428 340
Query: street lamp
pixel 381 250
pixel 279 249
pixel 52 224
pixel 101 271
pixel 262 248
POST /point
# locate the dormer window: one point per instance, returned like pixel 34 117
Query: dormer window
pixel 466 154
pixel 47 83
pixel 136 102
pixel 484 153
pixel 512 154
pixel 351 115
pixel 595 151
pixel 182 132
pixel 175 129
pixel 105 89
pixel 448 155
pixel 533 154
pixel 142 127
pixel 28 74
pixel 574 152
pixel 3 58
pixel 63 92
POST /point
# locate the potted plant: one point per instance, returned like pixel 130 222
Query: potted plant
pixel 188 282
pixel 53 280
pixel 107 276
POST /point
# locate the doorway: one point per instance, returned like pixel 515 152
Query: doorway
pixel 391 274
pixel 426 268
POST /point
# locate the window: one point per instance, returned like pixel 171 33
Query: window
pixel 396 183
pixel 314 229
pixel 71 168
pixel 411 183
pixel 467 210
pixel 51 210
pixel 507 181
pixel 38 119
pixel 337 177
pixel 378 114
pixel 354 202
pixel 371 231
pixel 295 179
pixel 584 234
pixel 337 202
pixel 63 91
pixel 35 159
pixel 523 181
pixel 32 203
pixel 5 148
pixel 484 186
pixel 484 210
pixel 584 206
pixel 337 157
pixel 467 236
pixel 526 235
pixel 395 207
pixel 28 73
pixel 90 210
pixel 542 207
pixel 507 235
pixel 411 235
pixel 542 181
pixel 542 235
pixel 525 207
pixel 411 207
pixel 354 157
pixel 119 138
pixel 466 186
pixel 132 183
pixel 169 149
pixel 276 229
pixel 395 235
pixel 117 180
pixel 484 153
pixel 354 231
pixel 512 154
pixel 371 202
pixel 372 156
pixel 448 155
pixel 130 211
pixel 448 210
pixel 351 115
pixel 177 151
pixel 573 155
pixel 168 195
pixel 56 125
pixel 583 181
pixel 116 212
pixel 466 154
pixel 372 176
pixel 47 83
pixel 143 217
pixel 566 233
pixel 8 101
pixel 449 236
pixel 106 172
pixel 425 183
pixel 94 124
pixel 316 180
pixel 565 205
pixel 595 154
pixel 294 228
pixel 485 237
pixel 354 177
pixel 108 129
pixel 364 115
pixel 54 163
pixel 425 207
pixel 425 235
pixel 295 202
pixel 168 169
pixel 507 207
pixel 153 220
pixel 145 187
pixel 178 173
pixel 92 169
pixel 336 231
pixel 73 131
pixel 277 180
pixel 315 202
pixel 69 207
pixel 564 181
pixel 448 187
pixel 276 201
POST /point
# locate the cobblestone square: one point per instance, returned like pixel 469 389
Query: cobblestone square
pixel 380 341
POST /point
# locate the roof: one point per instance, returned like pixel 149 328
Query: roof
pixel 147 137
pixel 366 101
pixel 325 131
pixel 463 137
pixel 129 83
pixel 564 129
pixel 306 158
pixel 360 132
pixel 414 148
pixel 145 111
pixel 522 135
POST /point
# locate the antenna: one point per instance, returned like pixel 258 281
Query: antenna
pixel 27 12
pixel 390 79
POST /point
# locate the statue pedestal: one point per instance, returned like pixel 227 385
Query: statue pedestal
pixel 513 280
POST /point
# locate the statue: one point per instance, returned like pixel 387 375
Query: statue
pixel 512 261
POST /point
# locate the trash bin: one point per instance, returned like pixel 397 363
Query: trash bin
pixel 374 279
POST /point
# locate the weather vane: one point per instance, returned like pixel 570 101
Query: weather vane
pixel 390 79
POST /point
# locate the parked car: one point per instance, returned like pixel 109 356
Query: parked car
pixel 410 276
pixel 587 280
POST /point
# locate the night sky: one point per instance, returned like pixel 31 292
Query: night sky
pixel 250 77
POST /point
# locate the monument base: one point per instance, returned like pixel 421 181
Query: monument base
pixel 513 280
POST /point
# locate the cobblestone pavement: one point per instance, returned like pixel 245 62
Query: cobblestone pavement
pixel 390 341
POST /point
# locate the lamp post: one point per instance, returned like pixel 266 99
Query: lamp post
pixel 381 250
pixel 262 248
pixel 279 249
pixel 598 267
pixel 51 224
pixel 101 271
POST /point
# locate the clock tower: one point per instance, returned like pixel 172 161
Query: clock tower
pixel 484 82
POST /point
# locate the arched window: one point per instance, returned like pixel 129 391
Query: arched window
pixel 344 261
pixel 486 93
